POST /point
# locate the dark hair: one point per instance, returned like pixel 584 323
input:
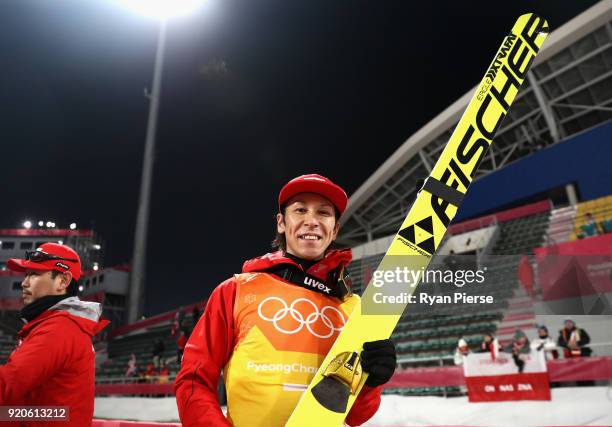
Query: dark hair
pixel 280 241
pixel 73 287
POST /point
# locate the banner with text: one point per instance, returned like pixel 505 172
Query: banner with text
pixel 506 377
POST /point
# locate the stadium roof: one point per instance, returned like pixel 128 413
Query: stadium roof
pixel 568 90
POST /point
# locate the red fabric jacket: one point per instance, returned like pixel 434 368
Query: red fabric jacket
pixel 211 344
pixel 54 362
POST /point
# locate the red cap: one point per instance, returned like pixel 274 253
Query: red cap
pixel 55 250
pixel 313 183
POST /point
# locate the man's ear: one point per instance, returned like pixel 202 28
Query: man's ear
pixel 280 223
pixel 64 280
pixel 336 230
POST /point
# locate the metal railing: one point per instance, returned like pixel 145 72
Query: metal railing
pixel 450 357
pixel 135 380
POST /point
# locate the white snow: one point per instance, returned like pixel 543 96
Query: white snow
pixel 569 406
pixel 161 409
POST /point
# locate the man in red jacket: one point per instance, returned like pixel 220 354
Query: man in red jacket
pixel 269 328
pixel 54 362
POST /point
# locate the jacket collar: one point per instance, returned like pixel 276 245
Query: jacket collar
pixel 332 260
pixel 84 313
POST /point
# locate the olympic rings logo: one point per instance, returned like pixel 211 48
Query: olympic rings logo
pixel 308 321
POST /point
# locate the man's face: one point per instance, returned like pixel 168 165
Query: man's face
pixel 569 324
pixel 37 284
pixel 309 225
pixel 542 333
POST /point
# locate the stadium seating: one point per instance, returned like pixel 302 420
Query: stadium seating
pixel 561 225
pixel 521 235
pixel 601 210
pixel 140 343
pixel 9 325
pixel 428 340
pixel 425 391
pixel 7 343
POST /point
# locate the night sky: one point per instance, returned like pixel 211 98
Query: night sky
pixel 254 93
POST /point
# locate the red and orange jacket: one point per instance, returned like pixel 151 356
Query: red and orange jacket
pixel 269 337
pixel 54 362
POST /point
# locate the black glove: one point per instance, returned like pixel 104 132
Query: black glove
pixel 378 359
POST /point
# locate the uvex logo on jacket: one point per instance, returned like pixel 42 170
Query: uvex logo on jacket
pixel 313 283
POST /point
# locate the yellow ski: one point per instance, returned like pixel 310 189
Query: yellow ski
pixel 335 386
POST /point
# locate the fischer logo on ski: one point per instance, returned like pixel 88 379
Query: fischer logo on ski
pixel 409 234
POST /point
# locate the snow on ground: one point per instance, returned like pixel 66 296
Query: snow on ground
pixel 569 406
pixel 136 408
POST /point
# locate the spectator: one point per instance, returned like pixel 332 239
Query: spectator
pixel 489 344
pixel 132 369
pixel 545 343
pixel 158 349
pixel 164 373
pixel 178 322
pixel 181 317
pixel 461 351
pixel 573 340
pixel 592 224
pixel 150 373
pixel 519 348
pixel 181 342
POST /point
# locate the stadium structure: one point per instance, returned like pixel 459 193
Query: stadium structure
pixel 535 187
pixel 548 167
